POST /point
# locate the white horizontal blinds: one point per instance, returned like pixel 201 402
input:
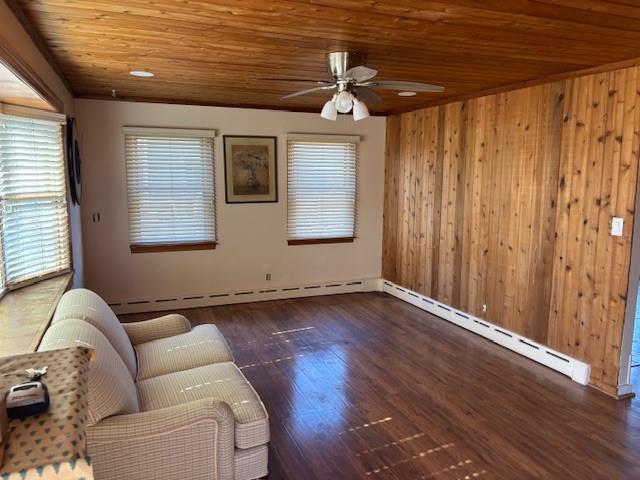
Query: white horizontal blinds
pixel 170 180
pixel 35 229
pixel 3 280
pixel 321 187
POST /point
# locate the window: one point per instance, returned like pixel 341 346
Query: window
pixel 321 188
pixel 170 183
pixel 35 228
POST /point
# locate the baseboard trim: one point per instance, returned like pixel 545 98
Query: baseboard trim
pixel 575 369
pixel 176 302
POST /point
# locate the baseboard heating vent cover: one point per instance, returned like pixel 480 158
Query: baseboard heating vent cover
pixel 575 369
pixel 242 296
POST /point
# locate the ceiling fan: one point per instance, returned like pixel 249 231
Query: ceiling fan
pixel 354 84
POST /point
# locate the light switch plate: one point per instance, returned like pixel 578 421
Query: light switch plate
pixel 617 224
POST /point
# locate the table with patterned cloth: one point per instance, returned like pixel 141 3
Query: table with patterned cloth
pixel 50 445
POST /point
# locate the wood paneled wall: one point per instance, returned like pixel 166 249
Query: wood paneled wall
pixel 503 203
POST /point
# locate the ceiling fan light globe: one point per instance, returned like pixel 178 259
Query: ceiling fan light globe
pixel 344 101
pixel 360 110
pixel 329 111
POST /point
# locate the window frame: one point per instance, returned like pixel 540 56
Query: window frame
pixel 194 133
pixel 21 69
pixel 325 138
pixel 28 113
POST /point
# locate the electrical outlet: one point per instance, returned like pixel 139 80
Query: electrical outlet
pixel 484 308
pixel 268 276
pixel 617 225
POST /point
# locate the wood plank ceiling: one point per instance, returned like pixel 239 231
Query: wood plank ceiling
pixel 213 52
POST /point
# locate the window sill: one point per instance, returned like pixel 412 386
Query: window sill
pixel 318 241
pixel 172 247
pixel 25 314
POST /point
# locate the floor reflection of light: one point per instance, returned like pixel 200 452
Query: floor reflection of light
pixel 390 444
pixel 367 425
pixel 271 362
pixel 450 468
pixel 251 346
pixel 293 330
pixel 283 342
pixel 472 475
pixel 412 458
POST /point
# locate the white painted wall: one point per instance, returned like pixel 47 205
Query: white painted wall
pixel 18 40
pixel 252 237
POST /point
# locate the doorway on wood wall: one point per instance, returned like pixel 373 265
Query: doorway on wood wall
pixel 629 374
pixel 633 371
pixel 635 345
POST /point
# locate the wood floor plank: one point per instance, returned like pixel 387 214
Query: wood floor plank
pixel 365 386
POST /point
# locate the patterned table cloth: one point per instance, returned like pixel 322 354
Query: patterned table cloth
pixel 79 469
pixel 50 445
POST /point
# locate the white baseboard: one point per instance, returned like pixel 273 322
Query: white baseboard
pixel 577 370
pixel 137 305
pixel 571 367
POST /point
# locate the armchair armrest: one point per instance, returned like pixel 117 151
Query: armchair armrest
pixel 194 440
pixel 161 327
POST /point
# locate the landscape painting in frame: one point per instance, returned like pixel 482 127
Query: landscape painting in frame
pixel 250 169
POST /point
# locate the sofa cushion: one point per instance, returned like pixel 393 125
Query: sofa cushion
pixel 111 388
pixel 201 346
pixel 88 306
pixel 165 326
pixel 220 381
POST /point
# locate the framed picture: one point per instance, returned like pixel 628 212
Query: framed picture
pixel 250 169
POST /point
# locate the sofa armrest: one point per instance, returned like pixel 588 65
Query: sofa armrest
pixel 194 440
pixel 154 329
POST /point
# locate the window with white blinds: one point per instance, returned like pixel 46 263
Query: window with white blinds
pixel 35 228
pixel 322 179
pixel 170 179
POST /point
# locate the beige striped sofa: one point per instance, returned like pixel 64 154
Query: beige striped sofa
pixel 166 400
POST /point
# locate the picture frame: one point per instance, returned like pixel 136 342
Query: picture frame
pixel 250 169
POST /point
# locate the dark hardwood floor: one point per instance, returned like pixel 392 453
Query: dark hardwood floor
pixel 365 386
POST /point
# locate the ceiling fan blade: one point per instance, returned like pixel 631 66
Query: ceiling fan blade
pixel 408 86
pixel 307 80
pixel 309 90
pixel 367 95
pixel 360 73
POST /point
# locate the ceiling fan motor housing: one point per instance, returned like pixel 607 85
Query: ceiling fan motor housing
pixel 354 84
pixel 339 62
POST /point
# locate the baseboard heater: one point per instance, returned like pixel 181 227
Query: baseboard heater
pixel 575 369
pixel 175 302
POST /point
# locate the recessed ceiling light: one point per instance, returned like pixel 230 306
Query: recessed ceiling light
pixel 407 94
pixel 141 73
